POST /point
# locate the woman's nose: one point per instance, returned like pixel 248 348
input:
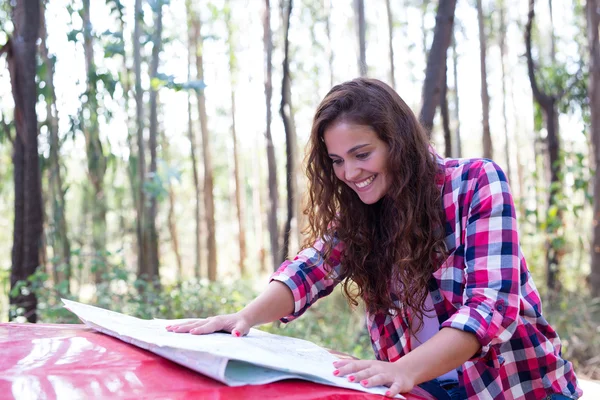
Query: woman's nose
pixel 351 171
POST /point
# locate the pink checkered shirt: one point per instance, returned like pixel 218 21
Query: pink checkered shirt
pixel 483 287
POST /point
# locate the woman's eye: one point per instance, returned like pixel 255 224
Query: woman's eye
pixel 362 156
pixel 337 161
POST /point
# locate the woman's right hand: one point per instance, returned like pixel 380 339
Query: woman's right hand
pixel 234 323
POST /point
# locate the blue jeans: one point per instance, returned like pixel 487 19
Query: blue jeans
pixel 445 389
pixel 450 390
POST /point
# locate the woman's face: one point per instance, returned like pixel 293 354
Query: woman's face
pixel 359 159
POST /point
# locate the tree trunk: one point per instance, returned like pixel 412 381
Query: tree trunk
pixel 28 224
pixel 502 45
pixel 457 150
pixel 142 236
pixel 361 27
pixel 171 220
pixel 327 7
pixel 209 204
pixel 290 135
pixel 152 269
pixel 271 160
pixel 548 104
pixel 95 153
pixel 390 21
pixel 593 30
pixel 60 239
pixel 436 62
pixel 485 98
pixel 194 145
pixel 239 186
pixel 446 116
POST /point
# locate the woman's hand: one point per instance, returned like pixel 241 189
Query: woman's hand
pixel 234 323
pixel 369 373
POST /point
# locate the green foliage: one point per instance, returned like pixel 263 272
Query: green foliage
pixel 576 318
pixel 330 323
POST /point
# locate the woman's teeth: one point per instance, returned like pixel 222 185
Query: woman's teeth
pixel 365 183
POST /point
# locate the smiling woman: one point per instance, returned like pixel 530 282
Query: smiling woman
pixel 431 246
pixel 363 160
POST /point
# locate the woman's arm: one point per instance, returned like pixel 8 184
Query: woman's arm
pixel 445 351
pixel 274 303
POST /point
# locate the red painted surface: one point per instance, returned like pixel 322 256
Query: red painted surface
pixel 51 361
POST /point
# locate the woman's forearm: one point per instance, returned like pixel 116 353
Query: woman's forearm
pixel 445 351
pixel 274 303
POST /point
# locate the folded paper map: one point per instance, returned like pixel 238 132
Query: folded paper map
pixel 255 359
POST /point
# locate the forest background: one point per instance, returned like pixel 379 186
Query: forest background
pixel 151 150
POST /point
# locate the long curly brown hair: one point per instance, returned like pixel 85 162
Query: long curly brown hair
pixel 392 247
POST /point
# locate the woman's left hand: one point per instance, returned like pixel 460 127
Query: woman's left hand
pixel 369 373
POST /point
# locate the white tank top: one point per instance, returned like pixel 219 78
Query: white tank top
pixel 429 328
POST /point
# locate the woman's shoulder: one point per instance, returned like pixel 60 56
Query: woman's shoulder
pixel 467 169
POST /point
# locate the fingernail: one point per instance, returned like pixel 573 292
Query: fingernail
pixel 351 378
pixel 336 372
pixel 236 333
pixel 388 393
pixel 364 382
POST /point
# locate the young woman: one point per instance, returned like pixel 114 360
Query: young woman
pixel 430 245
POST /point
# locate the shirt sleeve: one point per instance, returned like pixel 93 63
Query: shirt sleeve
pixel 309 276
pixel 491 296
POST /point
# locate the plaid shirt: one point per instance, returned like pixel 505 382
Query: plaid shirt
pixel 483 287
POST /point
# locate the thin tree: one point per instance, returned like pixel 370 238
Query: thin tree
pixel 171 220
pixel 390 21
pixel 457 149
pixel 485 97
pixel 502 45
pixel 193 144
pixel 152 268
pixel 94 149
pixel 28 223
pixel 271 160
pixel 285 110
pixel 436 62
pixel 548 103
pixel 327 7
pixel 593 31
pixel 60 240
pixel 239 186
pixel 446 116
pixel 209 204
pixel 142 236
pixel 359 6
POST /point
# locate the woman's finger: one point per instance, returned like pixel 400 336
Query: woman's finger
pixel 395 389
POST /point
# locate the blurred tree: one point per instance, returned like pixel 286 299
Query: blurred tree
pixel 193 144
pixel 485 97
pixel 593 30
pixel 209 203
pixel 502 45
pixel 143 238
pixel 271 160
pixel 457 148
pixel 239 185
pixel 436 62
pixel 327 8
pixel 390 21
pixel 548 104
pixel 59 238
pixel 94 149
pixel 359 7
pixel 28 224
pixel 152 267
pixel 445 116
pixel 287 115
